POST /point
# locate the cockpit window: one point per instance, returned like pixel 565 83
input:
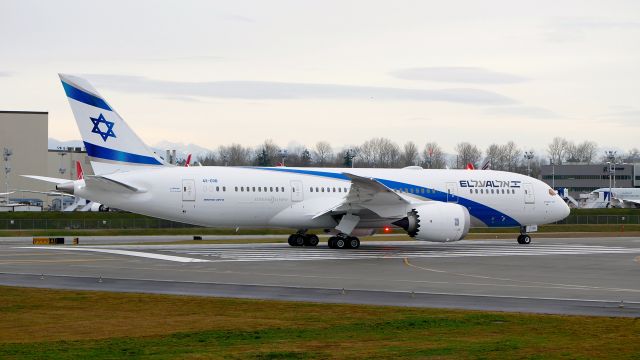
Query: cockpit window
pixel 552 192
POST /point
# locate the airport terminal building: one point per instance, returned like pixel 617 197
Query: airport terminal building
pixel 584 178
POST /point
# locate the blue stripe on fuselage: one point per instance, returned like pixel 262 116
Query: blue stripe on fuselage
pixel 101 152
pixel 489 216
pixel 84 97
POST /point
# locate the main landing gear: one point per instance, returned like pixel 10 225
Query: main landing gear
pixel 524 238
pixel 340 241
pixel 343 241
pixel 300 239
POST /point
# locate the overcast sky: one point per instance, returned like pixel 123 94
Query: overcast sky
pixel 216 72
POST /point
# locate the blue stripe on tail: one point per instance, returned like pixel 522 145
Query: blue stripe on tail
pixel 84 97
pixel 117 155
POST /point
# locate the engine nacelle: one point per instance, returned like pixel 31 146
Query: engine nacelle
pixel 437 221
pixel 98 207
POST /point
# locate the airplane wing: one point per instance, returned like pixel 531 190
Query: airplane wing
pixel 6 193
pixel 101 182
pixel 633 202
pixel 369 193
pixel 48 193
pixel 47 179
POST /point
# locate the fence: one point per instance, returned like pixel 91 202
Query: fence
pixel 79 224
pixel 600 219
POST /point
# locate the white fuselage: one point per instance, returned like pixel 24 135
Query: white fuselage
pixel 293 197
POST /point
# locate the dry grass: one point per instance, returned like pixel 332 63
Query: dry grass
pixel 81 324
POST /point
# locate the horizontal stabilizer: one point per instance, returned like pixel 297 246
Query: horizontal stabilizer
pixel 99 182
pixel 47 179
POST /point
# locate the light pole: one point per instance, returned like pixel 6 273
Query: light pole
pixel 553 174
pixel 6 154
pixel 283 154
pixel 611 155
pixel 528 155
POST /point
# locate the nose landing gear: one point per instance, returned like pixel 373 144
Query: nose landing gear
pixel 524 238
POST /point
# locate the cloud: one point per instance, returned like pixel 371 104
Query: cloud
pixel 521 111
pixel 458 74
pixel 575 29
pixel 5 74
pixel 623 117
pixel 273 90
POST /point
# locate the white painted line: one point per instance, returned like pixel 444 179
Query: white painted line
pixel 122 252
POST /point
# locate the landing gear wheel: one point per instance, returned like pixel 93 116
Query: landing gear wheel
pixel 524 239
pixel 296 240
pixel 340 243
pixel 311 240
pixel 332 242
pixel 353 242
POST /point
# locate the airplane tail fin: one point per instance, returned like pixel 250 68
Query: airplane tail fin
pixel 111 144
pixel 79 171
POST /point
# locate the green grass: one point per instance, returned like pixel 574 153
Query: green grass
pixel 59 324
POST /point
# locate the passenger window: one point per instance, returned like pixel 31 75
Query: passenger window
pixel 339 189
pixel 259 189
pixel 236 189
pixel 317 190
pixel 276 189
pixel 311 189
pixel 322 189
pixel 217 188
pixel 481 191
pixel 224 188
pixel 282 188
pixel 242 189
pixel 334 189
pixel 492 191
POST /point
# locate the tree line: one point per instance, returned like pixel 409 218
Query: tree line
pixel 383 153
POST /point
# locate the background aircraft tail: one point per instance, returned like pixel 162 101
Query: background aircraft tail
pixel 111 144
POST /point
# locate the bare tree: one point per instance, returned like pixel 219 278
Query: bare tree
pixel 633 156
pixel 512 156
pixel 468 153
pixel 234 155
pixel 557 150
pixel 378 152
pixel 323 153
pixel 495 157
pixel 208 159
pixel 410 155
pixel 433 156
pixel 587 151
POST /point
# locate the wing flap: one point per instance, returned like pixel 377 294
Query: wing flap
pixel 101 182
pixel 369 193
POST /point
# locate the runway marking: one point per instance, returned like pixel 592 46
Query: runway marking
pixel 125 252
pixel 52 261
pixel 248 254
pixel 536 283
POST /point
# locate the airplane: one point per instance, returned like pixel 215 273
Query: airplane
pixel 79 202
pixel 614 197
pixel 429 204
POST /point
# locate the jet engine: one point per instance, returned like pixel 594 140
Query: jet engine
pixel 98 207
pixel 436 221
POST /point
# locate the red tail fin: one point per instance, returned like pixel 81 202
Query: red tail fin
pixel 470 166
pixel 79 171
pixel 188 162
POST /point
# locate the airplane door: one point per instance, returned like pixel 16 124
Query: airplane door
pixel 296 190
pixel 188 190
pixel 452 192
pixel 529 197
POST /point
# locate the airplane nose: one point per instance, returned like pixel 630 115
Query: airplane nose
pixel 563 210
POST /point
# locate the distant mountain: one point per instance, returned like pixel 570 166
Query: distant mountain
pixel 160 148
pixel 182 150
